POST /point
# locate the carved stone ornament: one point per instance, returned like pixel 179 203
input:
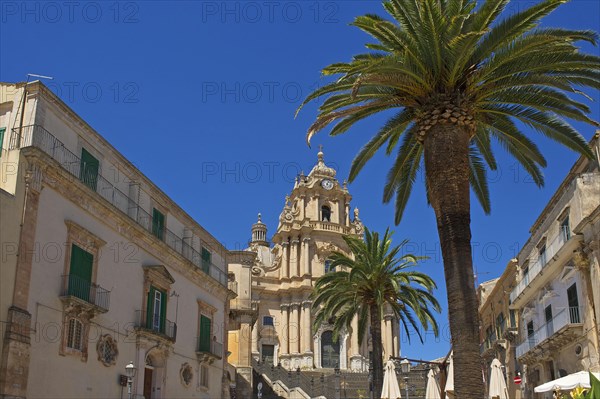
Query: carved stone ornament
pixel 324 249
pixel 186 374
pixel 107 350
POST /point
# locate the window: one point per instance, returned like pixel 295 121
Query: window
pixel 530 333
pixel 157 309
pixel 2 130
pixel 88 171
pixel 206 260
pixel 205 334
pixel 328 267
pixel 542 255
pixel 204 376
pixel 326 213
pixel 268 352
pixel 267 321
pixel 75 335
pixel 158 223
pixel 500 324
pixel 573 304
pixel 513 319
pixel 80 273
pixel 107 350
pixel 565 229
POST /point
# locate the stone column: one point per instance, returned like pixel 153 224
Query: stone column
pixel 294 257
pixel 255 338
pixel 354 341
pixel 305 256
pixel 285 330
pixel 285 259
pixel 347 215
pixel 294 328
pixel 388 336
pixel 317 207
pixel 16 349
pixel 302 207
pixel 396 335
pixel 306 327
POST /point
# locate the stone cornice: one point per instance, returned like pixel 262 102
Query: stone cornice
pixel 60 180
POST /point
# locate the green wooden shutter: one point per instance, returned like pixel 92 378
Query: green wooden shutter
pixel 80 273
pixel 2 130
pixel 89 169
pixel 158 223
pixel 204 344
pixel 206 260
pixel 163 311
pixel 150 309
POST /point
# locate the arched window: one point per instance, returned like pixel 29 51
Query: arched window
pixel 330 351
pixel 325 213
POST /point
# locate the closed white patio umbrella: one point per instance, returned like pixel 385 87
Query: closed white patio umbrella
pixel 391 389
pixel 498 388
pixel 433 385
pixel 566 383
pixel 449 388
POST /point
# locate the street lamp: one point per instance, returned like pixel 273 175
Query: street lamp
pixel 130 373
pixel 405 368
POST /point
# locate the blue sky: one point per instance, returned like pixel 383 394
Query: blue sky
pixel 201 97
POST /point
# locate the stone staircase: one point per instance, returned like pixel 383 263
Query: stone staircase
pixel 311 384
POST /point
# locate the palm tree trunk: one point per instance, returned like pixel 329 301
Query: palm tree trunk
pixel 377 357
pixel 447 178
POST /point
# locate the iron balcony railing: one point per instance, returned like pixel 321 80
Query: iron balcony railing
pixel 85 290
pixel 210 346
pixel 555 245
pixel 38 137
pixel 488 343
pixel 154 325
pixel 567 316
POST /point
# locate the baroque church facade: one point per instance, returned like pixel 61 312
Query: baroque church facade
pixel 278 325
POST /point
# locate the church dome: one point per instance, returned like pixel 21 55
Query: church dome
pixel 320 169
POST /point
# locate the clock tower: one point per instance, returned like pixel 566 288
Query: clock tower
pixel 315 217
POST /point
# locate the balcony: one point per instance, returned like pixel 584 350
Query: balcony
pixel 487 347
pixel 233 287
pixel 327 226
pixel 38 137
pixel 557 252
pixel 209 351
pixel 76 291
pixel 561 330
pixel 166 330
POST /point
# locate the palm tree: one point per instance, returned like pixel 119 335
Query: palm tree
pixel 457 77
pixel 372 279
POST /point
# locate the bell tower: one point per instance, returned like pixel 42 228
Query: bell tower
pixel 315 218
pixel 259 233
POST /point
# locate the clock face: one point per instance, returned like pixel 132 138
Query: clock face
pixel 327 184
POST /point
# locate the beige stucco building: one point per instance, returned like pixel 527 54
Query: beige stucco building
pixel 100 268
pixel 499 327
pixel 274 316
pixel 556 292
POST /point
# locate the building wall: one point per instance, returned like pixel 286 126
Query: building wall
pixel 126 257
pixel 569 342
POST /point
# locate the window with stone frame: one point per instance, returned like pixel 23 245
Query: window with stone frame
pixel 157 286
pixel 204 376
pixel 205 327
pixel 80 301
pixel 107 350
pixel 74 334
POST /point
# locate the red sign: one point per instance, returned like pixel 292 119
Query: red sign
pixel 517 380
